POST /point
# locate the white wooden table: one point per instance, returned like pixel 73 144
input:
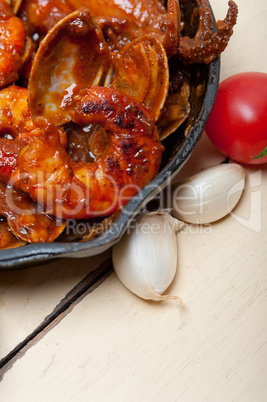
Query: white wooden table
pixel 63 342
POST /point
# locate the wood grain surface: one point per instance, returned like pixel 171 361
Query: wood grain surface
pixel 108 345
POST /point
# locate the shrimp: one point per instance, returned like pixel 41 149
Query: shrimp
pixel 16 128
pixel 69 189
pixel 12 39
pixel 15 116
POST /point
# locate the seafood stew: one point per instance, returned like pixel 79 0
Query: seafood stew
pixel 131 130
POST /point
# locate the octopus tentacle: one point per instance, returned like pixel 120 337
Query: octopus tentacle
pixel 173 32
pixel 197 50
pixel 205 25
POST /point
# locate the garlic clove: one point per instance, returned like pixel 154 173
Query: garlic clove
pixel 145 260
pixel 209 195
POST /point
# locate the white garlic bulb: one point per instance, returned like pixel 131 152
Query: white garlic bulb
pixel 145 260
pixel 209 195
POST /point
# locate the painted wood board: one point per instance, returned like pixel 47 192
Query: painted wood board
pixel 28 296
pixel 113 346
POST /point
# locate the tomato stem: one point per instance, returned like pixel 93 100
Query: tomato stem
pixel 261 154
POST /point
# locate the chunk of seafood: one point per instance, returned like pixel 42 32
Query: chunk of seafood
pixel 16 128
pixel 146 55
pixel 26 219
pixel 7 238
pixel 11 44
pixel 167 27
pixel 9 153
pixel 175 111
pixel 70 189
pixel 204 47
pixel 10 150
pixel 15 117
pixel 85 143
pixel 121 21
pixel 124 21
pixel 205 23
pixel 138 10
pixel 72 56
pixel 39 16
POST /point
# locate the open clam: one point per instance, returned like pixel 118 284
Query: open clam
pixel 73 55
pixel 175 111
pixel 141 71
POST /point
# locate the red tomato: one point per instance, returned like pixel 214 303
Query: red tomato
pixel 237 125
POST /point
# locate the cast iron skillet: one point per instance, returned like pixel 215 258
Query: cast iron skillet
pixel 178 149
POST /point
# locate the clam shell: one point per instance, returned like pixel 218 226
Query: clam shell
pixel 72 56
pixel 141 71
